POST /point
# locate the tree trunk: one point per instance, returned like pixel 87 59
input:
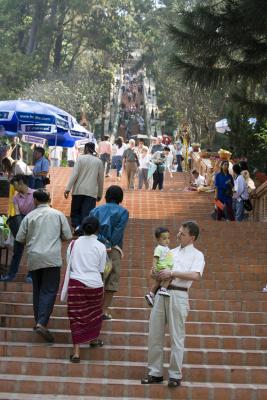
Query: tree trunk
pixel 37 21
pixel 103 117
pixel 59 36
pixel 51 31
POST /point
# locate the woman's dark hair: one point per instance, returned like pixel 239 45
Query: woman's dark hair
pixel 41 195
pixel 90 225
pixel 159 231
pixel 166 148
pixel 20 178
pixel 7 164
pixel 106 137
pixel 243 165
pixel 222 164
pixel 114 194
pixel 192 227
pixel 119 142
pixel 237 169
pixel 40 150
pixel 89 148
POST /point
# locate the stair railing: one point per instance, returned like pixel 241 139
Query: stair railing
pixel 260 203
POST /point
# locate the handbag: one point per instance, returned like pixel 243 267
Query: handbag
pixel 247 204
pixel 46 180
pixel 108 268
pixel 161 168
pixel 14 223
pixel 64 290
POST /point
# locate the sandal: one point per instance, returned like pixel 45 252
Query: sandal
pixel 151 379
pixel 173 383
pixel 74 359
pixel 106 317
pixel 97 343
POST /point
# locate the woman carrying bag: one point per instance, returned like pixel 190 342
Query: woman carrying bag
pixel 83 285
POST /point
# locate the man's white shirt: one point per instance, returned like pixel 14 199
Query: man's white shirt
pixel 186 260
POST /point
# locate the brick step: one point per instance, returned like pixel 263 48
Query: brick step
pixel 209 328
pixel 8 300
pixel 144 314
pixel 27 396
pixel 141 289
pixel 140 339
pixel 133 270
pixel 200 304
pixel 135 354
pixel 124 388
pixel 236 279
pixel 137 277
pixel 129 370
pixel 9 293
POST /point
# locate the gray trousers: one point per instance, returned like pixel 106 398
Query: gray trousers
pixel 172 311
pixel 142 178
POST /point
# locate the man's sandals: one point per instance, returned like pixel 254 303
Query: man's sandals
pixel 172 383
pixel 44 333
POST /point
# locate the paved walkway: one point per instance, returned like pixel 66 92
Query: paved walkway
pixel 226 341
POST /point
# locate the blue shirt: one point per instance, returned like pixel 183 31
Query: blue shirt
pixel 113 220
pixel 224 183
pixel 41 165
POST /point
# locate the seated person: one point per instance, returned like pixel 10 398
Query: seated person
pixel 209 182
pixel 198 180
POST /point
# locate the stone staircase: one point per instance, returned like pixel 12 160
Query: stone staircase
pixel 226 340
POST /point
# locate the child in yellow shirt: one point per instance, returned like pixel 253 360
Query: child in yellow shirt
pixel 162 260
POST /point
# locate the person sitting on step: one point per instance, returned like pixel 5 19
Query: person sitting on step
pixel 162 260
pixel 198 180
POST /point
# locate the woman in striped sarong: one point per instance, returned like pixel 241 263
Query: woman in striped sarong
pixel 85 289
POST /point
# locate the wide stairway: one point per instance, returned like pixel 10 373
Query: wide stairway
pixel 226 342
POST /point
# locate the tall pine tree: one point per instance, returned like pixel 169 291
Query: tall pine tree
pixel 217 43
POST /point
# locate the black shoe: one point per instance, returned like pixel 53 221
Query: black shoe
pixel 151 379
pixel 45 334
pixel 106 317
pixel 173 383
pixel 7 278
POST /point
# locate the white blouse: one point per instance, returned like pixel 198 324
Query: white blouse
pixel 88 260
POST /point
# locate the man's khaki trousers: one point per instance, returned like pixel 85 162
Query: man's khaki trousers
pixel 173 311
pixel 130 168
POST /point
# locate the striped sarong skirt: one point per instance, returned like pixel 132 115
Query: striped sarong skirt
pixel 84 311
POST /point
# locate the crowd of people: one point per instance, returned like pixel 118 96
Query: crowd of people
pixel 96 243
pixel 132 106
pixel 232 187
pixel 86 288
pixel 143 165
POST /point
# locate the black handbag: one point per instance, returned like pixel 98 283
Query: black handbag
pixel 247 205
pixel 14 223
pixel 46 180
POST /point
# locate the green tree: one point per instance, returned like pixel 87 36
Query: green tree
pixel 217 43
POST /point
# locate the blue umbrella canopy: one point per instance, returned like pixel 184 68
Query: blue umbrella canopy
pixel 38 119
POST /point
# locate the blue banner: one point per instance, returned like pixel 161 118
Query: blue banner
pixel 78 134
pixel 38 128
pixel 35 118
pixel 4 114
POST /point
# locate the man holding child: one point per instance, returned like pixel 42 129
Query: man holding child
pixel 188 265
